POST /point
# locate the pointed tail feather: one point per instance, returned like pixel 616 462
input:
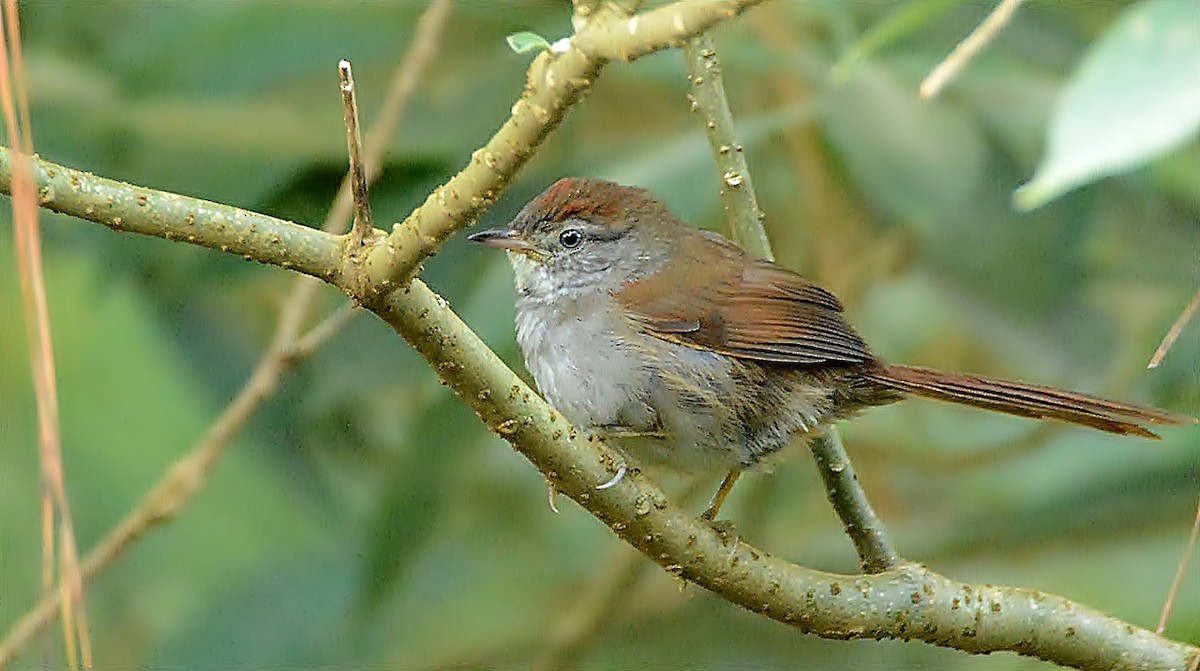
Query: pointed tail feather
pixel 1027 400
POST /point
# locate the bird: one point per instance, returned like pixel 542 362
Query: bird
pixel 684 351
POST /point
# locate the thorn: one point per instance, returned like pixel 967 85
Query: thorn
pixel 551 494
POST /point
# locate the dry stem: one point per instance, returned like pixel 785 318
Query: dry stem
pixel 1173 333
pixel 1180 572
pixel 288 347
pixel 27 239
pixel 970 47
pixel 357 177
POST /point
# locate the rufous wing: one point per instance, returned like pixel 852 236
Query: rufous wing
pixel 713 296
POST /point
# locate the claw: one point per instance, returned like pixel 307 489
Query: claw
pixel 615 479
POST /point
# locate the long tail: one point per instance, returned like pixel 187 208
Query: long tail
pixel 1026 400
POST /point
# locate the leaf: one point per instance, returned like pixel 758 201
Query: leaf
pixel 525 42
pixel 1135 96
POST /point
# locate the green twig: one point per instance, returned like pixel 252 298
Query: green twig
pixel 737 191
pixel 875 551
pixel 972 44
pixel 708 99
pixel 129 208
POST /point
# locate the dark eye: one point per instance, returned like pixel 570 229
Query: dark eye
pixel 570 238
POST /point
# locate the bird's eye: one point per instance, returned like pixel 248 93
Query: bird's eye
pixel 570 238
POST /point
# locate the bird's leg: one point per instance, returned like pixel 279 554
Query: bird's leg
pixel 617 431
pixel 718 499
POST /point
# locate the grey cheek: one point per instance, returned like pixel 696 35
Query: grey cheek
pixel 593 265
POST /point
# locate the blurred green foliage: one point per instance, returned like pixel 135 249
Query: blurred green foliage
pixel 366 518
pixel 1135 95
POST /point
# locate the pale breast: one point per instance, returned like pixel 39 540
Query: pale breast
pixel 578 355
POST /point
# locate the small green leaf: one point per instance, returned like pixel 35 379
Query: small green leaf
pixel 525 41
pixel 1135 96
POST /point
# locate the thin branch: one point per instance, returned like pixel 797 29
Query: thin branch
pixel 325 330
pixel 862 525
pixel 362 227
pixel 737 191
pixel 708 99
pixel 428 33
pixel 970 47
pixel 1173 333
pixel 1180 572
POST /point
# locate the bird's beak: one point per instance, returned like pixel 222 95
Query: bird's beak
pixel 504 238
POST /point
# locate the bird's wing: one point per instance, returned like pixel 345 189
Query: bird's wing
pixel 712 296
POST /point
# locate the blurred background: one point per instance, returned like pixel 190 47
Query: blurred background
pixel 365 518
